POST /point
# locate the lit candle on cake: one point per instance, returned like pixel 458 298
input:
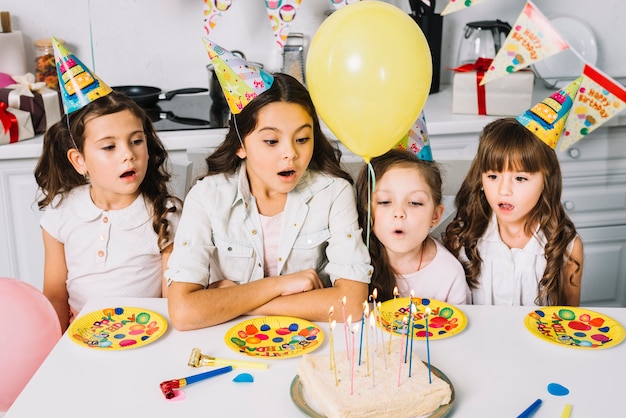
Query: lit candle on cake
pixel 365 311
pixel 404 323
pixel 392 320
pixel 345 326
pixel 411 332
pixel 382 336
pixel 406 348
pixel 373 327
pixel 354 330
pixel 427 312
pixel 374 295
pixel 333 360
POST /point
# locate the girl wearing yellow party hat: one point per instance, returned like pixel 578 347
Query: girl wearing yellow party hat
pixel 109 220
pixel 272 229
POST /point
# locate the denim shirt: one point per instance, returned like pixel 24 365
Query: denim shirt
pixel 220 234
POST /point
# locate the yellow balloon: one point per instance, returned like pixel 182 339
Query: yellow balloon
pixel 369 71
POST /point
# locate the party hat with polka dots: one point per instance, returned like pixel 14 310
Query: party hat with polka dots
pixel 417 140
pixel 78 85
pixel 241 81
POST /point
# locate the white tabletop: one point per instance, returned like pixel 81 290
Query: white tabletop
pixel 496 365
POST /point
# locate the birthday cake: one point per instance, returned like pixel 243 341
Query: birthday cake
pixel 374 390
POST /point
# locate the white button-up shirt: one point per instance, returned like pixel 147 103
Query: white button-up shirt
pixel 220 234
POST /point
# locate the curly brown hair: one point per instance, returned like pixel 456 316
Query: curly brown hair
pixel 506 144
pixel 326 157
pixel 56 176
pixel 384 276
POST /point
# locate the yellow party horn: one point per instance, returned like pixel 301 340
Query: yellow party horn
pixel 197 359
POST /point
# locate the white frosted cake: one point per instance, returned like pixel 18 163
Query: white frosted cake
pixel 373 395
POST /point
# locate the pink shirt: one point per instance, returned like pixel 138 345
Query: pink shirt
pixel 442 279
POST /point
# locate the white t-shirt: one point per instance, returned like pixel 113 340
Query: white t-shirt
pixel 442 279
pixel 108 252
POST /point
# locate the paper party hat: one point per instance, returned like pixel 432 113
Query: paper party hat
pixel 240 81
pixel 78 85
pixel 547 118
pixel 417 140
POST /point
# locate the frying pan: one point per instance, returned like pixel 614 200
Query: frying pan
pixel 148 96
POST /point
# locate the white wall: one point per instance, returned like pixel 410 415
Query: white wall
pixel 157 42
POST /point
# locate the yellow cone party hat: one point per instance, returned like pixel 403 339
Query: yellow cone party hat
pixel 240 81
pixel 547 118
pixel 78 85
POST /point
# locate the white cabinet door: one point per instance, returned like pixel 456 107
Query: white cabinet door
pixel 604 271
pixel 21 246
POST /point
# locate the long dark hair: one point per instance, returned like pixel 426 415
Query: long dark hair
pixel 56 176
pixel 506 144
pixel 326 157
pixel 384 276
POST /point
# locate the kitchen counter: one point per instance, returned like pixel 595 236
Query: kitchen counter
pixel 440 121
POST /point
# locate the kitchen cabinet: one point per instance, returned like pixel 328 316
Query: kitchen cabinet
pixel 594 191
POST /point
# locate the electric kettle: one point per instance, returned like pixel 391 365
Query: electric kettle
pixel 481 39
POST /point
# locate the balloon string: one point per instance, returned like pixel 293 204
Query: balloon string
pixel 371 185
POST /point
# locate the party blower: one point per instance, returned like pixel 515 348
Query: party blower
pixel 197 359
pixel 168 386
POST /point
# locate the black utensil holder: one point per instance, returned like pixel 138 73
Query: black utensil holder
pixel 432 25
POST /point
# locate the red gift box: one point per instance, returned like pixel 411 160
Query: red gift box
pixel 15 125
pixel 43 104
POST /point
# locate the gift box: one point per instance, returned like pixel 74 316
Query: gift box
pixel 510 95
pixel 43 104
pixel 15 125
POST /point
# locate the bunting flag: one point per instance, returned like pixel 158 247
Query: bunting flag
pixel 599 98
pixel 281 13
pixel 213 11
pixel 531 39
pixel 547 118
pixel 456 5
pixel 417 140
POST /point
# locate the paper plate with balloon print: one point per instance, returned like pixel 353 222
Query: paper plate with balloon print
pixel 444 320
pixel 118 328
pixel 574 327
pixel 274 337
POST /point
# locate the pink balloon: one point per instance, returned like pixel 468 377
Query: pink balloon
pixel 29 329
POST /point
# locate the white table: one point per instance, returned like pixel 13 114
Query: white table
pixel 497 368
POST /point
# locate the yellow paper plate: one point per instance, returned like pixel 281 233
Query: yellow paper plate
pixel 444 321
pixel 299 398
pixel 574 327
pixel 119 328
pixel 274 337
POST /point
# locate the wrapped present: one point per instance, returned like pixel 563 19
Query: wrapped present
pixel 15 125
pixel 505 96
pixel 43 104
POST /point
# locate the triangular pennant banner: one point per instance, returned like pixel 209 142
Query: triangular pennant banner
pixel 281 13
pixel 531 39
pixel 456 5
pixel 417 140
pixel 213 11
pixel 598 100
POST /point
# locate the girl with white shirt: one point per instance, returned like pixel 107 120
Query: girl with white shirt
pixel 272 228
pixel 511 233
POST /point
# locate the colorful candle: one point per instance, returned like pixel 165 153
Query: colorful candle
pixel 427 312
pixel 345 326
pixel 404 323
pixel 365 310
pixel 333 359
pixel 382 337
pixel 409 328
pixel 373 327
pixel 411 350
pixel 354 330
pixel 373 296
pixel 391 330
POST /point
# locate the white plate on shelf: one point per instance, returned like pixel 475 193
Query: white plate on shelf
pixel 562 68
